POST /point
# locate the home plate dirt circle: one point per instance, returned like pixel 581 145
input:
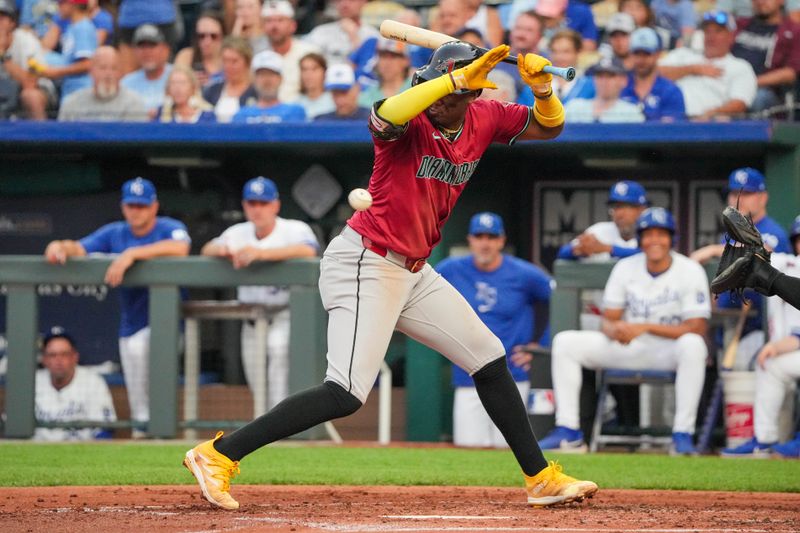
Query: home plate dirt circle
pixel 378 509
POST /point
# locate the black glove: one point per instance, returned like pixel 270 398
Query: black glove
pixel 744 258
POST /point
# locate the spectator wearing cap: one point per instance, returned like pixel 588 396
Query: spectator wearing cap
pixel 134 13
pixel 235 90
pixel 714 83
pixel 152 54
pixel 106 100
pixel 677 17
pixel 183 103
pixel 21 90
pixel 269 109
pixel 78 43
pixel 337 39
pixel 503 290
pixel 610 78
pixel 265 237
pixel 392 72
pixel 658 97
pixel 141 236
pixel 67 392
pixel 573 14
pixel 313 96
pixel 747 190
pixel 204 57
pixel 615 238
pixel 247 24
pixel 618 33
pixel 770 42
pixel 340 80
pixel 280 27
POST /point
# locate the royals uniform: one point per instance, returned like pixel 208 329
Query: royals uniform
pixel 285 233
pixel 504 300
pixel 607 233
pixel 780 373
pixel 678 294
pixel 134 331
pixel 374 278
pixel 85 398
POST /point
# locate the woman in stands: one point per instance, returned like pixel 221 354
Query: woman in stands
pixel 313 96
pixel 183 103
pixel 204 57
pixel 235 90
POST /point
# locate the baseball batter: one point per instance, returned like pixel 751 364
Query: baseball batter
pixel 777 366
pixel 265 237
pixel 143 235
pixel 374 277
pixel 656 308
pixel 503 290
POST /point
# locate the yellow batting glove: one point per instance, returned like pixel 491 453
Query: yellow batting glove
pixel 530 70
pixel 473 76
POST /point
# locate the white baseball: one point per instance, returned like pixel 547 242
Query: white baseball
pixel 359 199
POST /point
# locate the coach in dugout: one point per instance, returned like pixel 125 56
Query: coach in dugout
pixel 141 236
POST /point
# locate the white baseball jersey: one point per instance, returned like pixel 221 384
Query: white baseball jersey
pixel 608 233
pixel 285 233
pixel 778 378
pixel 671 297
pixel 86 398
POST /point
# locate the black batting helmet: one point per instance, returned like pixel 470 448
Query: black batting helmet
pixel 447 58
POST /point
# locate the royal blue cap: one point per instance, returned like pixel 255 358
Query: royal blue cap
pixel 627 192
pixel 655 217
pixel 645 40
pixel 486 223
pixel 57 332
pixel 747 179
pixel 260 189
pixel 138 191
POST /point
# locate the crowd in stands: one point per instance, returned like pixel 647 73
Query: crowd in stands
pixel 662 60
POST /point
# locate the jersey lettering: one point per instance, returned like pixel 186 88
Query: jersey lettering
pixel 445 171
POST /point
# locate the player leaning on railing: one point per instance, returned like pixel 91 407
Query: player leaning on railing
pixel 374 277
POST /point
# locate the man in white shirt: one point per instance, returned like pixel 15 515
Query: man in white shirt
pixel 265 237
pixel 280 26
pixel 339 38
pixel 714 82
pixel 66 392
pixel 655 316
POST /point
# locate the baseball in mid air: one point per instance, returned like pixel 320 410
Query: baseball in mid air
pixel 359 199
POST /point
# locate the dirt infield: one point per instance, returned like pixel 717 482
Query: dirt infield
pixel 299 508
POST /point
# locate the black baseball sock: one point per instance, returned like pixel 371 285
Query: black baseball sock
pixel 500 398
pixel 296 413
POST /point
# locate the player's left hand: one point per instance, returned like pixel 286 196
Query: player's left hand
pixel 627 332
pixel 474 76
pixel 530 70
pixel 242 257
pixel 521 356
pixel 769 350
pixel 116 271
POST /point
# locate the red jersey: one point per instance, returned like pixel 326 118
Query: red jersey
pixel 419 174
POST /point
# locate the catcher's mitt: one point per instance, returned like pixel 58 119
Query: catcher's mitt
pixel 743 248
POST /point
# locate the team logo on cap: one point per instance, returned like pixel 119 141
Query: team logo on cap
pixel 486 221
pixel 621 188
pixel 257 187
pixel 660 216
pixel 740 177
pixel 137 187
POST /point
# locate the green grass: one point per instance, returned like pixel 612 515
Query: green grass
pixel 156 464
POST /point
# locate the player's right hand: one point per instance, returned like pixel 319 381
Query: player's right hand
pixel 474 76
pixel 769 350
pixel 55 253
pixel 530 70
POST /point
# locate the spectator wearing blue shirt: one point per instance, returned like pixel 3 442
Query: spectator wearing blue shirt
pixel 103 22
pixel 340 80
pixel 503 290
pixel 657 97
pixel 78 43
pixel 183 103
pixel 677 17
pixel 747 189
pixel 141 236
pixel 152 54
pixel 268 109
pixel 572 14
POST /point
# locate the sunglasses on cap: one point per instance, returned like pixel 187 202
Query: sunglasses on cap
pixel 719 17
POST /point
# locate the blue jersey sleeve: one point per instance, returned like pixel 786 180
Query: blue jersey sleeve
pixel 85 41
pixel 100 240
pixel 565 252
pixel 621 251
pixel 169 229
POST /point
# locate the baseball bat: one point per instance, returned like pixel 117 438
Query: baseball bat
pixel 391 29
pixel 728 360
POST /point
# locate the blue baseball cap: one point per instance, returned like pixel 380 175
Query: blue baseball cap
pixel 138 191
pixel 57 332
pixel 627 192
pixel 645 40
pixel 260 189
pixel 486 223
pixel 747 180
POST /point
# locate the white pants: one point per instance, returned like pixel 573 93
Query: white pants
pixel 134 354
pixel 592 349
pixel 472 426
pixel 276 358
pixel 772 383
pixel 368 296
